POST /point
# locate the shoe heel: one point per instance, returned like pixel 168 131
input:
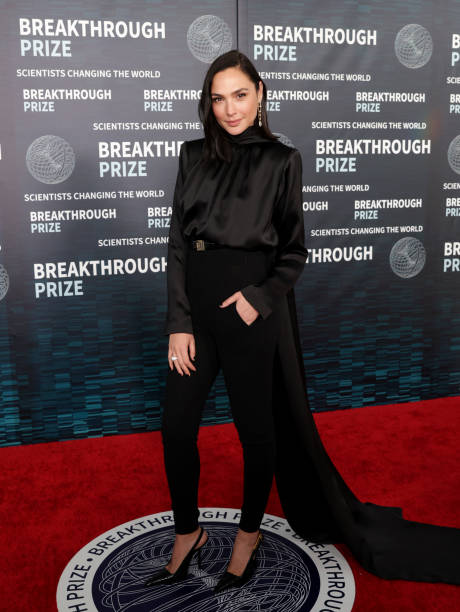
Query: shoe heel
pixel 164 576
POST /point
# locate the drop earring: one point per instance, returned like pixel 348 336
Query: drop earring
pixel 260 114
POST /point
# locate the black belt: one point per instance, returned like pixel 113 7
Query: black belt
pixel 204 245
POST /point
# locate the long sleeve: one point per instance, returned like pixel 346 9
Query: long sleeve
pixel 291 252
pixel 178 318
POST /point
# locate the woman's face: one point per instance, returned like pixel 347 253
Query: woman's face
pixel 234 99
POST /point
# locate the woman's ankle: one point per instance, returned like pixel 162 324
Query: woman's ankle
pixel 248 534
pixel 192 536
pixel 189 534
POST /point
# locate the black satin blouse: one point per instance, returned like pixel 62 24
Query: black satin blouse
pixel 253 202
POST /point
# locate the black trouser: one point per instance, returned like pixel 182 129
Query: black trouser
pixel 246 355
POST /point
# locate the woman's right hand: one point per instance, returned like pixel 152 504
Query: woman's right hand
pixel 180 345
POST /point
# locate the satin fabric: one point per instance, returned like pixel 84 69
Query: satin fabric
pixel 253 202
pixel 256 202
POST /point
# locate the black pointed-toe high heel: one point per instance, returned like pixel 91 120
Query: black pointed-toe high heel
pixel 228 580
pixel 164 576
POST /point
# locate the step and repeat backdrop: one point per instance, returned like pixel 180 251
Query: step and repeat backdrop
pixel 97 98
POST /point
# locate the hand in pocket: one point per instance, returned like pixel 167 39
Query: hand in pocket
pixel 245 310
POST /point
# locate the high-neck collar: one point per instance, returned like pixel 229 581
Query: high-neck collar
pixel 253 133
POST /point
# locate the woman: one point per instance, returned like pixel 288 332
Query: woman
pixel 236 249
pixel 244 196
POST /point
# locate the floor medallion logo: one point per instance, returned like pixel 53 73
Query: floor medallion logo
pixel 292 575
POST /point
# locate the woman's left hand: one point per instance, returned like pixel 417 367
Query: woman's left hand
pixel 246 311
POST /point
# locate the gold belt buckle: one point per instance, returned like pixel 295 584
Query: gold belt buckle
pixel 200 245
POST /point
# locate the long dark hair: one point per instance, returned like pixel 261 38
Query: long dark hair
pixel 216 145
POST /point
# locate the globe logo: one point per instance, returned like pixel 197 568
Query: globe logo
pixel 50 159
pixel 413 46
pixel 292 573
pixel 208 37
pixel 453 154
pixel 283 582
pixel 284 139
pixel 4 282
pixel 407 257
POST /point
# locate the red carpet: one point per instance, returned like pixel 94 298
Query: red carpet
pixel 56 497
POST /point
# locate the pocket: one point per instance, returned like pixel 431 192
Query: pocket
pixel 236 314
